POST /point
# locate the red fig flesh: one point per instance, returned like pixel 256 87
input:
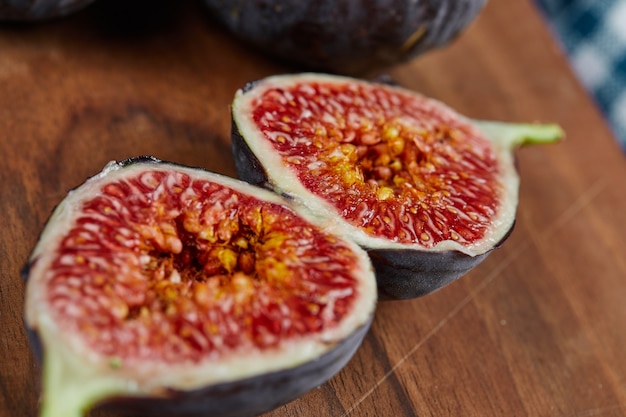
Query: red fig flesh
pixel 425 190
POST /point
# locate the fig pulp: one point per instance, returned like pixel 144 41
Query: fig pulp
pixel 354 37
pixel 427 192
pixel 165 290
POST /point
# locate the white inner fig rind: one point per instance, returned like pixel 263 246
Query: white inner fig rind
pixel 283 178
pixel 75 376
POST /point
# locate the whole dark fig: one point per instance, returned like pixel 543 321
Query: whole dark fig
pixel 163 290
pixel 39 9
pixel 345 36
pixel 426 191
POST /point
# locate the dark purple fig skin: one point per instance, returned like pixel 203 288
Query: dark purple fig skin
pixel 353 37
pixel 38 10
pixel 247 165
pixel 241 398
pixel 247 397
pixel 403 274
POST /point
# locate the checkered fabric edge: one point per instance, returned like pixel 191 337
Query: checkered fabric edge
pixel 593 35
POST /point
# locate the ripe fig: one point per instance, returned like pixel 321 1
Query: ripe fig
pixel 427 192
pixel 39 10
pixel 164 290
pixel 345 36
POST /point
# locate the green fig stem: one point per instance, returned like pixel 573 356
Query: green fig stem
pixel 510 135
pixel 71 388
pixel 65 395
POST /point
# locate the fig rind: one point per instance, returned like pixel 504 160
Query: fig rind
pixel 75 377
pixel 402 270
pixel 245 397
pixel 405 274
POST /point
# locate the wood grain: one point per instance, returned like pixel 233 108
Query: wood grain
pixel 536 330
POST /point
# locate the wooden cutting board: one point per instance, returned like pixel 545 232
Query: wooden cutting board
pixel 538 329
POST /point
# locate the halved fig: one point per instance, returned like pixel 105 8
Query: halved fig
pixel 165 290
pixel 427 192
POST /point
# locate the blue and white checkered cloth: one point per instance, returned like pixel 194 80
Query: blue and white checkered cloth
pixel 593 35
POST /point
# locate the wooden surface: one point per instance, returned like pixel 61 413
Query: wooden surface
pixel 538 329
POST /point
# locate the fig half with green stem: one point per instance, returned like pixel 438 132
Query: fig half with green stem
pixel 426 191
pixel 163 290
